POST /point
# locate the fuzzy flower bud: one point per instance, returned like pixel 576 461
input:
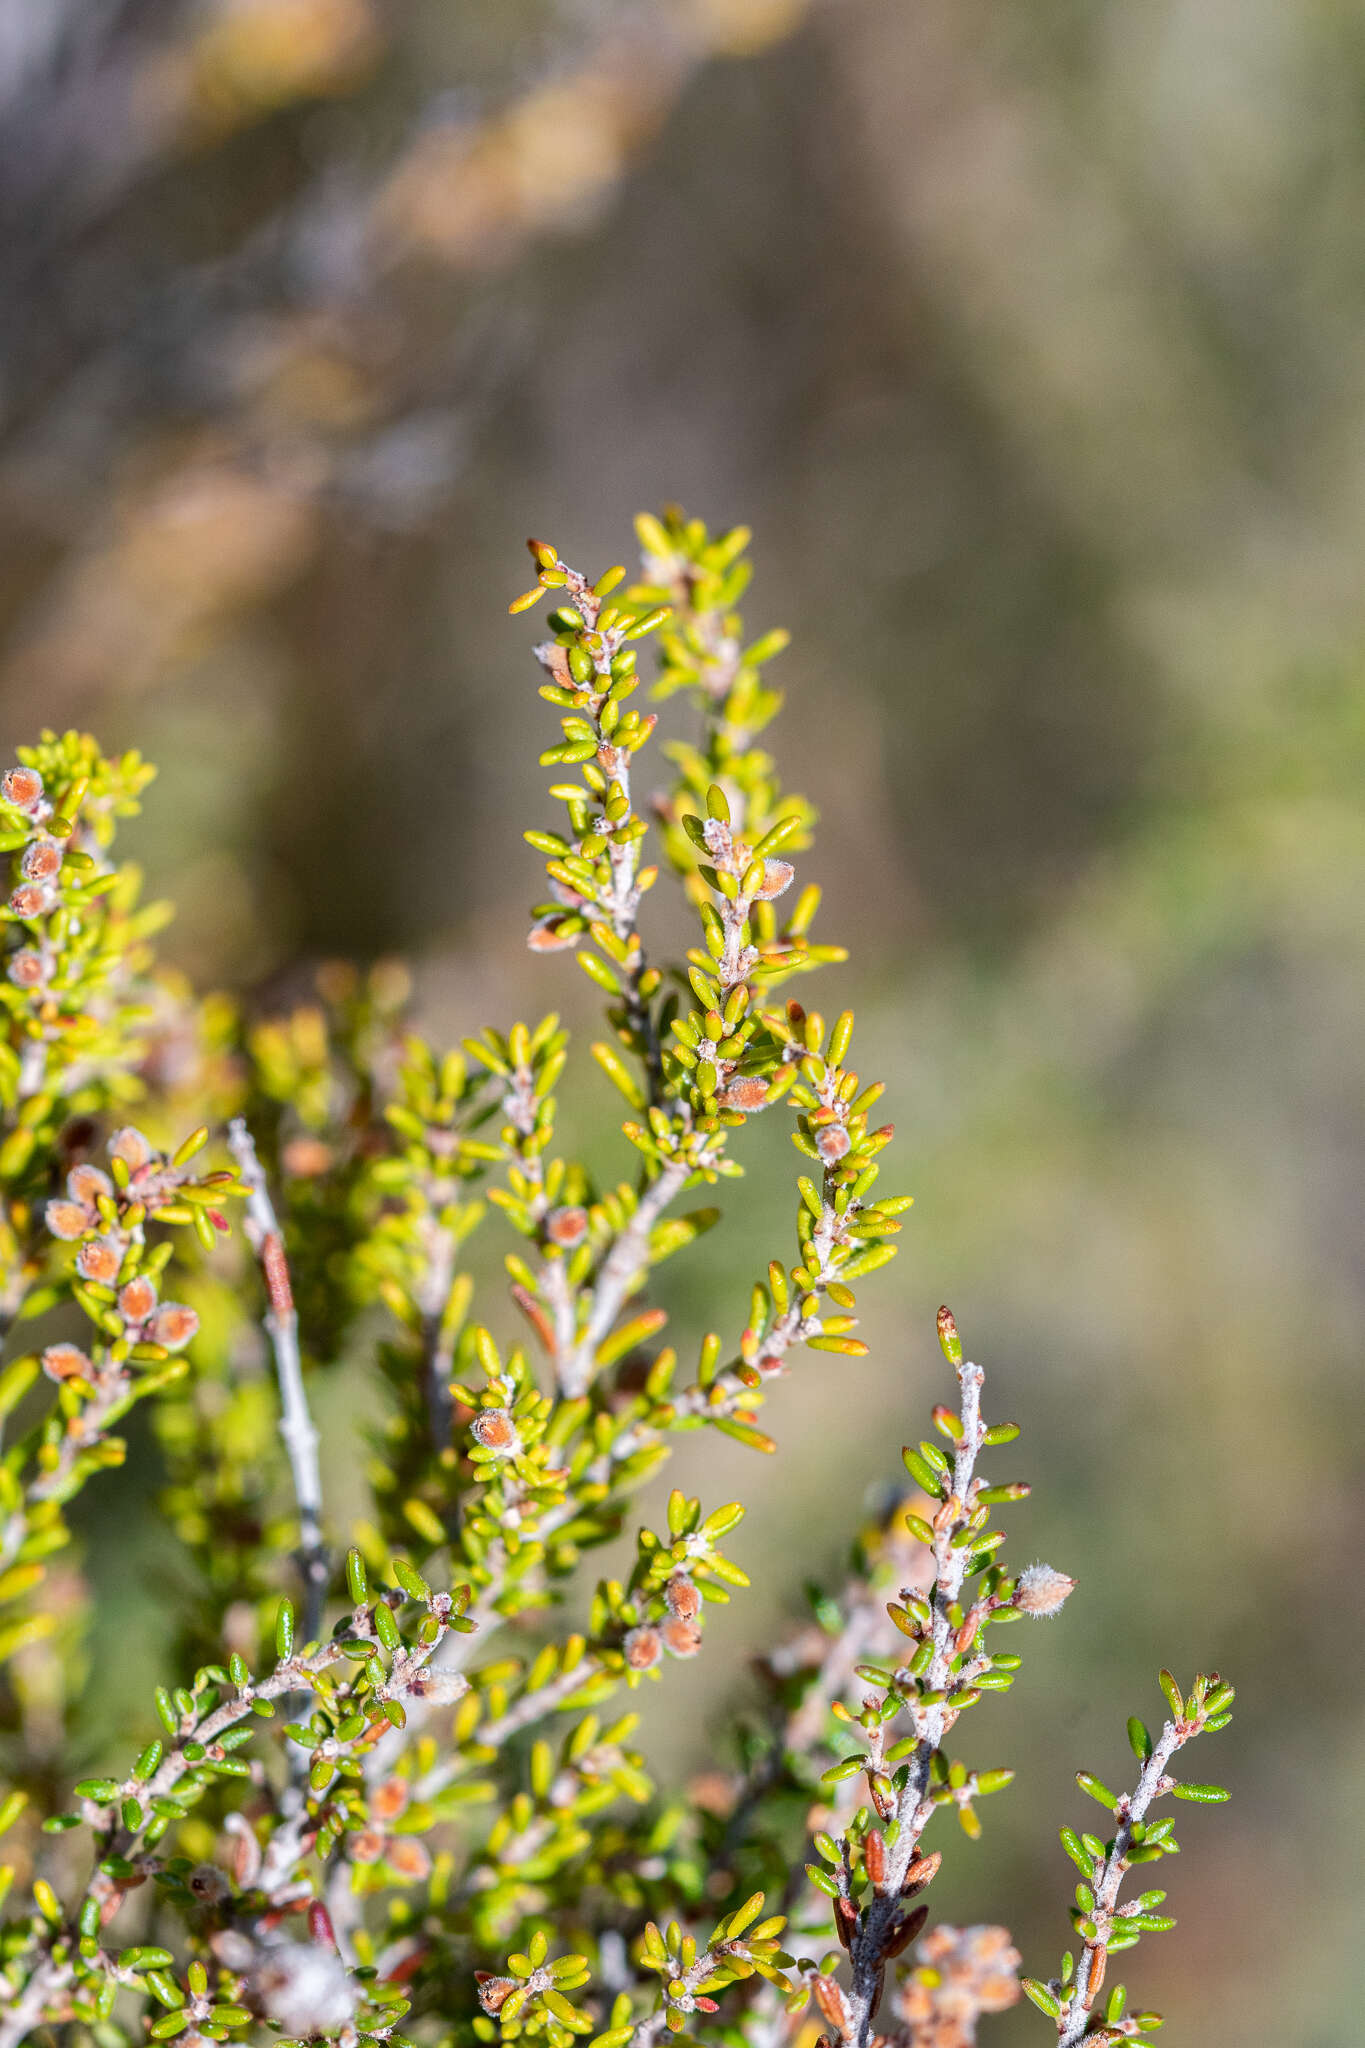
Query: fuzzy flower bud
pixel 87 1184
pixel 832 1142
pixel 566 1227
pixel 684 1601
pixel 22 787
pixel 643 1648
pixel 172 1325
pixel 137 1300
pixel 100 1259
pixel 42 860
pixel 746 1093
pixel 495 1430
pixel 1041 1590
pixel 68 1220
pixel 30 899
pixel 494 1992
pixel 777 877
pixel 65 1362
pixel 26 970
pixel 680 1638
pixel 131 1147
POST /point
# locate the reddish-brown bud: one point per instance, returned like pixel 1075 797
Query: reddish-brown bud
pixel 494 1992
pixel 680 1638
pixel 30 899
pixel 874 1856
pixel 643 1648
pixel 320 1924
pixel 682 1596
pixel 921 1871
pixel 904 1931
pixel 831 2001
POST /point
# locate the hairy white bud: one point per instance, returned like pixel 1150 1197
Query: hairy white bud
pixel 1041 1590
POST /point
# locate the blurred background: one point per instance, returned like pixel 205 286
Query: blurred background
pixel 1030 338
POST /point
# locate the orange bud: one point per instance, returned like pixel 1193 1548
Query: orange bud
pixel 172 1325
pixel 86 1184
pixel 494 1429
pixel 42 860
pixel 137 1300
pixel 22 787
pixel 65 1362
pixel 99 1259
pixel 66 1219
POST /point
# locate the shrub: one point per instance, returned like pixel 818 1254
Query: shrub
pixel 386 1796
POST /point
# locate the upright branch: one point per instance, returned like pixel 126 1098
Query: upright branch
pixel 880 1869
pixel 452 1807
pixel 1104 1925
pixel 297 1430
pixel 595 873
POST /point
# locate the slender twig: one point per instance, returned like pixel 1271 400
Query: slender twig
pixel 433 1299
pixel 623 1262
pixel 875 1932
pixel 297 1429
pixel 1130 1812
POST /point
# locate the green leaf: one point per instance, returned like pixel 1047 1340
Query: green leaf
pixel 1041 1997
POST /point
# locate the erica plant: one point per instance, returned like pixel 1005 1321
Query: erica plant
pixel 385 1794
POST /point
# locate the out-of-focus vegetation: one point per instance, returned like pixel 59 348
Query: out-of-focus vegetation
pixel 1031 341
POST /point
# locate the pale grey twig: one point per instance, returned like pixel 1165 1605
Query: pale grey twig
pixel 872 1940
pixel 1132 1808
pixel 625 1259
pixel 297 1429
